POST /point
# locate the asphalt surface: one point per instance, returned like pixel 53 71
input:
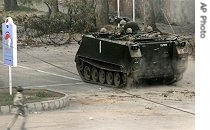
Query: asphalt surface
pixel 95 107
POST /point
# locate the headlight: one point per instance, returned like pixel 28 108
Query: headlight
pixel 135 60
pixel 182 44
pixel 134 47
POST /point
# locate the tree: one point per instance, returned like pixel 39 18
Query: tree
pixel 149 16
pixel 52 7
pixel 10 5
pixel 101 12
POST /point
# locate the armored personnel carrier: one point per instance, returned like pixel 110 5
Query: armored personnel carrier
pixel 114 60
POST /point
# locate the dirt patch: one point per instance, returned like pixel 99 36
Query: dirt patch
pixel 31 95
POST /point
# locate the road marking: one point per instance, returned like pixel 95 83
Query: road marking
pixel 79 83
pixel 49 73
pixel 52 85
pixel 29 68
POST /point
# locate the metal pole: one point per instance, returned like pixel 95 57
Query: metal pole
pixel 10 80
pixel 134 11
pixel 118 8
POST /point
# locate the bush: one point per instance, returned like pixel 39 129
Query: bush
pixel 42 94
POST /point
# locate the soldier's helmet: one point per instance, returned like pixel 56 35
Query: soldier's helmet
pixel 149 29
pixel 122 22
pixel 129 30
pixel 19 88
pixel 103 30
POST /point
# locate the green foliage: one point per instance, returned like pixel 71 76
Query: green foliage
pixel 25 9
pixel 43 94
pixel 31 95
pixel 6 99
pixel 79 19
pixel 26 2
pixel 81 16
pixel 29 2
pixel 46 25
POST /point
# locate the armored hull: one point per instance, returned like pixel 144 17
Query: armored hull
pixel 118 63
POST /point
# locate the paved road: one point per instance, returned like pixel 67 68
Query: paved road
pixel 94 107
pixel 33 72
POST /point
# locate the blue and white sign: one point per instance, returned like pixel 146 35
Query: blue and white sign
pixel 9 42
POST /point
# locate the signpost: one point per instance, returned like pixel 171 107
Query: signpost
pixel 9 43
pixel 118 8
pixel 134 14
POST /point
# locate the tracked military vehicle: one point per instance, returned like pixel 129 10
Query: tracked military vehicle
pixel 112 60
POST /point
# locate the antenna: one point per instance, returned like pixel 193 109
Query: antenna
pixel 167 20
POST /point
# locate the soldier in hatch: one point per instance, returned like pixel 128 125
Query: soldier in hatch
pixel 129 35
pixel 120 28
pixel 151 33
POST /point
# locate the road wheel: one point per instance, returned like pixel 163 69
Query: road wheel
pixel 109 77
pixel 117 79
pixel 102 76
pixel 94 74
pixel 87 72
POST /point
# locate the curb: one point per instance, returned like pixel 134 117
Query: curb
pixel 40 106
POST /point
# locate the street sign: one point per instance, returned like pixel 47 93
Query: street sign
pixel 9 42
